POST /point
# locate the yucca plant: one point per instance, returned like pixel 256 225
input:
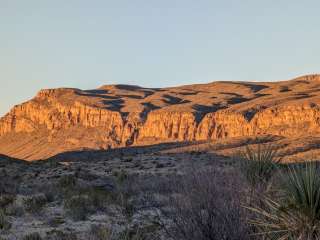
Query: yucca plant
pixel 259 164
pixel 294 212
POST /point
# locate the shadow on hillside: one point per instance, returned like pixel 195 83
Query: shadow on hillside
pixel 177 147
pixel 90 154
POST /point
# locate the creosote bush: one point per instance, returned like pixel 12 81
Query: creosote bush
pixel 34 204
pixel 78 207
pixel 204 205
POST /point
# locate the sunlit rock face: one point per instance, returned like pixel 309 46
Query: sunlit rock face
pixel 58 120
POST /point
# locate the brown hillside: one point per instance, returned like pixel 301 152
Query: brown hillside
pixel 59 120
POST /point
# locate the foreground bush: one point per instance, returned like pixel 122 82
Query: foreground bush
pixel 34 204
pixel 98 232
pixel 4 223
pixel 32 236
pixel 294 212
pixel 59 235
pixel 205 205
pixel 258 164
pixel 78 207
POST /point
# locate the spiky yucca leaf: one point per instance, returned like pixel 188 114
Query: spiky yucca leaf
pixel 295 214
pixel 259 164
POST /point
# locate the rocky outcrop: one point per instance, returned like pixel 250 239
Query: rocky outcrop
pixel 121 117
pixel 288 121
pixel 176 126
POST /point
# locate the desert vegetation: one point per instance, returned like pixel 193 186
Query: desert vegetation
pixel 250 196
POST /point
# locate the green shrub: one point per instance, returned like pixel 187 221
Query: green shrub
pixel 4 223
pixel 78 207
pixel 98 198
pixel 32 236
pixel 34 204
pixel 294 212
pixel 134 234
pixel 6 199
pixel 67 181
pixel 98 232
pixel 14 210
pixel 258 165
pixel 59 235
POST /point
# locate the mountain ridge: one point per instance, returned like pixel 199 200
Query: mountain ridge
pixel 112 116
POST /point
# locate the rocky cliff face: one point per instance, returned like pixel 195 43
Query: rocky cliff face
pixel 121 115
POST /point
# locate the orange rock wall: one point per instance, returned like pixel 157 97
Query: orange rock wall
pixel 45 111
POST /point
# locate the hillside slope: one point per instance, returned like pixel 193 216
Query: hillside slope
pixel 59 120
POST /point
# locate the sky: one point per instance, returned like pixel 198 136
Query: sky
pixel 152 43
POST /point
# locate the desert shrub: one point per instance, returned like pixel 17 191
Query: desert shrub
pixel 32 236
pixel 100 198
pixel 294 211
pixel 126 204
pixel 59 235
pixel 6 199
pixel 204 205
pixel 14 210
pixel 258 165
pixel 139 232
pixel 99 232
pixel 34 204
pixel 78 207
pixel 120 176
pixel 50 190
pixel 4 223
pixel 122 193
pixel 67 183
pixel 8 183
pixel 131 234
pixel 88 199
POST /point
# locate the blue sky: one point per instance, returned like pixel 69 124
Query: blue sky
pixel 153 43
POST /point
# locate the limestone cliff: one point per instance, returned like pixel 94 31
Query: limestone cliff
pixel 121 115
